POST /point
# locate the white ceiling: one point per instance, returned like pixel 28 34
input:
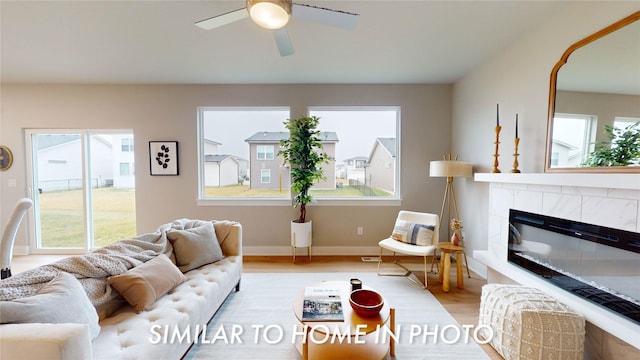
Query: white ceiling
pixel 156 42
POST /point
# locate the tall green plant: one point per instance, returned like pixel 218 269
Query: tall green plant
pixel 303 152
pixel 622 149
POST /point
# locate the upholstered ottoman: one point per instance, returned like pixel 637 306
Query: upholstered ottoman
pixel 528 324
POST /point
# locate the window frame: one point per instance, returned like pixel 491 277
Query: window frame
pixel 89 242
pixel 232 201
pixel 268 155
pixel 589 133
pixel 395 200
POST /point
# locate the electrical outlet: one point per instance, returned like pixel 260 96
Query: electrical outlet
pixel 360 230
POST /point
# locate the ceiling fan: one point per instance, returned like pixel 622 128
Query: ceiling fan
pixel 275 14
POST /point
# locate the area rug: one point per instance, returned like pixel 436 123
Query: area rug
pixel 250 322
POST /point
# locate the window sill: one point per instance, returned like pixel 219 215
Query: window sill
pixel 288 202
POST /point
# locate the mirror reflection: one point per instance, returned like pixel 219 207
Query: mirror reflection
pixel 594 115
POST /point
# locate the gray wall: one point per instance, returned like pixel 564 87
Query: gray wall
pixel 169 113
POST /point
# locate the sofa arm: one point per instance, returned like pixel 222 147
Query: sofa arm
pixel 232 245
pixel 45 341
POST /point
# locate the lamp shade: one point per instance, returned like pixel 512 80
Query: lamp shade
pixel 270 14
pixel 450 168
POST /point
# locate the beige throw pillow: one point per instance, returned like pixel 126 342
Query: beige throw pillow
pixel 144 284
pixel 415 234
pixel 61 300
pixel 195 247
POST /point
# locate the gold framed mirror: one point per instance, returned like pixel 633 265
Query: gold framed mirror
pixel 599 86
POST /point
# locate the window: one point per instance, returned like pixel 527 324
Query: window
pixel 265 152
pixel 239 160
pixel 366 152
pixel 624 124
pixel 125 169
pixel 573 139
pixel 238 153
pixel 265 176
pixel 82 200
pixel 126 144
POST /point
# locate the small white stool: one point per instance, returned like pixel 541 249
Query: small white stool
pixel 527 324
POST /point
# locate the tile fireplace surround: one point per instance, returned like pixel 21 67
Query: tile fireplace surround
pixel 611 200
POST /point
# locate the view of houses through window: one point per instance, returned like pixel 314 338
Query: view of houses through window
pixel 59 162
pixel 573 139
pixel 237 143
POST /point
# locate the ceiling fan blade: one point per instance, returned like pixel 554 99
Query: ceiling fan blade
pixel 335 18
pixel 224 19
pixel 283 41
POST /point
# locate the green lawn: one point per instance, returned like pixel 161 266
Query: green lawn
pixel 114 216
pixel 61 217
pixel 245 191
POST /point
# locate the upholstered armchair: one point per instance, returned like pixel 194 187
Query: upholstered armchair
pixel 414 234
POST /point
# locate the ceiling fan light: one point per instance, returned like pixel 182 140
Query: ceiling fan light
pixel 272 14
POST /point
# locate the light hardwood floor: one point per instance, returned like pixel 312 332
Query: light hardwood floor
pixel 463 305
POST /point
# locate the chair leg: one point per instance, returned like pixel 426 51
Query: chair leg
pixel 407 272
pixel 434 261
pixel 5 273
pixel 425 272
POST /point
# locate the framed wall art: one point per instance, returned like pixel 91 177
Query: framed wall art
pixel 163 157
pixel 6 158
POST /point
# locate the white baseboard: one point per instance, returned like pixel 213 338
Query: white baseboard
pixel 315 250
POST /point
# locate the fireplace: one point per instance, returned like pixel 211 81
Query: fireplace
pixel 596 263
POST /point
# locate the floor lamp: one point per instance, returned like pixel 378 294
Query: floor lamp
pixel 450 169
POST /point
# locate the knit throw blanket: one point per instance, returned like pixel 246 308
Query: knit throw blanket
pixel 93 269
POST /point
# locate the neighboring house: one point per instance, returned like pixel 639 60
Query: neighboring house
pixel 268 171
pixel 243 168
pixel 210 146
pixel 354 168
pixel 221 170
pixel 60 162
pixel 380 170
pixel 564 154
pixel 123 162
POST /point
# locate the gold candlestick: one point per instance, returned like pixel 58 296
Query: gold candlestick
pixel 515 157
pixel 495 161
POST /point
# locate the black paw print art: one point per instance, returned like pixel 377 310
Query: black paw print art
pixel 163 156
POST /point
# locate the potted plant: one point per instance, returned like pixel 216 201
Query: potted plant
pixel 622 149
pixel 303 152
pixel 456 227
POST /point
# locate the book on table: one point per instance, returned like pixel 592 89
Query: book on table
pixel 322 303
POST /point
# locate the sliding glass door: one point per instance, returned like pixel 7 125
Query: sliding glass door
pixel 83 188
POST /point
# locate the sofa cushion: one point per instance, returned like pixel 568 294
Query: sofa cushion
pixel 195 246
pixel 144 284
pixel 414 234
pixel 61 300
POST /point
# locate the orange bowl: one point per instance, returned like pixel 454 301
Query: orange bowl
pixel 366 303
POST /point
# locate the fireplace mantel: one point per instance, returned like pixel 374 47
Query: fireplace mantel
pixel 611 181
pixel 611 200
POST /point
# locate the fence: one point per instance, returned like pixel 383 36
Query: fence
pixel 362 187
pixel 71 184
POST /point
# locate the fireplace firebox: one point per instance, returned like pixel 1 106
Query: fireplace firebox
pixel 596 263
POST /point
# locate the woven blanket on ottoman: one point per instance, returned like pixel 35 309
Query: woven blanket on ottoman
pixel 528 324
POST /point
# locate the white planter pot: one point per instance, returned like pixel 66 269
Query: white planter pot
pixel 301 234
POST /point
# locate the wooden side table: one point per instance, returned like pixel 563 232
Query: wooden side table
pixel 446 249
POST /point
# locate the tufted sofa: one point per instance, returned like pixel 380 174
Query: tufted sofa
pixel 125 334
